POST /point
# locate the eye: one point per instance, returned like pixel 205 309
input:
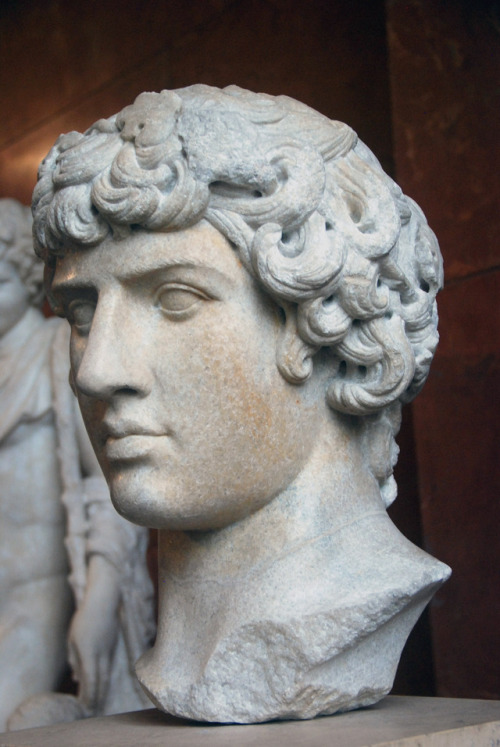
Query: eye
pixel 80 315
pixel 178 300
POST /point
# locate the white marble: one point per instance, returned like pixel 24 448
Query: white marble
pixel 252 300
pixel 58 531
pixel 395 722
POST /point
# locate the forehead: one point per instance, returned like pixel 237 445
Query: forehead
pixel 200 247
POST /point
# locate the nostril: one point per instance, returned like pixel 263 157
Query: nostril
pixel 126 390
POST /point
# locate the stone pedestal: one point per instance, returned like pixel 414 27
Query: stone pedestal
pixel 394 722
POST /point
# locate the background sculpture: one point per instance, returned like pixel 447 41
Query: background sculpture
pixel 264 454
pixel 58 529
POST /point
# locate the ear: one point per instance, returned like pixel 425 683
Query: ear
pixel 293 355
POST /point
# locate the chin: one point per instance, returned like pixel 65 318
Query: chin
pixel 133 500
pixel 148 505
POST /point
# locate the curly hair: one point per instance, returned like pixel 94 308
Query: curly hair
pixel 308 207
pixel 16 246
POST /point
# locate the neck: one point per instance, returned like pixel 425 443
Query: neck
pixel 309 599
pixel 207 578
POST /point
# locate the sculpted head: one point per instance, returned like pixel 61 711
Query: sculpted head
pixel 21 274
pixel 335 257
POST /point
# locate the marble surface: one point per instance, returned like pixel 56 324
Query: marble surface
pixel 394 722
pixel 252 300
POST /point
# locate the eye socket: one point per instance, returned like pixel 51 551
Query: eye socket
pixel 80 314
pixel 178 300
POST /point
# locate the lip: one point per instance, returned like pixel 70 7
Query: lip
pixel 130 446
pixel 126 439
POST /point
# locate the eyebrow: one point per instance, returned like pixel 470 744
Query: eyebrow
pixel 141 274
pixel 144 272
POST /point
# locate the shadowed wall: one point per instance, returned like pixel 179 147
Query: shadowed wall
pixel 445 76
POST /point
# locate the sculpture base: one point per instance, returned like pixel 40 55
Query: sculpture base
pixel 397 721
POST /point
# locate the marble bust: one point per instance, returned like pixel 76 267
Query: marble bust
pixel 252 300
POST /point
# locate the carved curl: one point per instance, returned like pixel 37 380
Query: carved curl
pixel 315 219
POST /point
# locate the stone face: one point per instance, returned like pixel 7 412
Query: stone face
pixel 251 299
pixel 58 532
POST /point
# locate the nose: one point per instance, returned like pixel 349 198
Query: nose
pixel 111 360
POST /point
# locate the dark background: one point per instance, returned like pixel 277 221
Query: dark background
pixel 419 81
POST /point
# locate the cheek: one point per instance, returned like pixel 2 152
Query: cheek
pixel 224 375
pixel 248 428
pixel 266 437
pixel 273 423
